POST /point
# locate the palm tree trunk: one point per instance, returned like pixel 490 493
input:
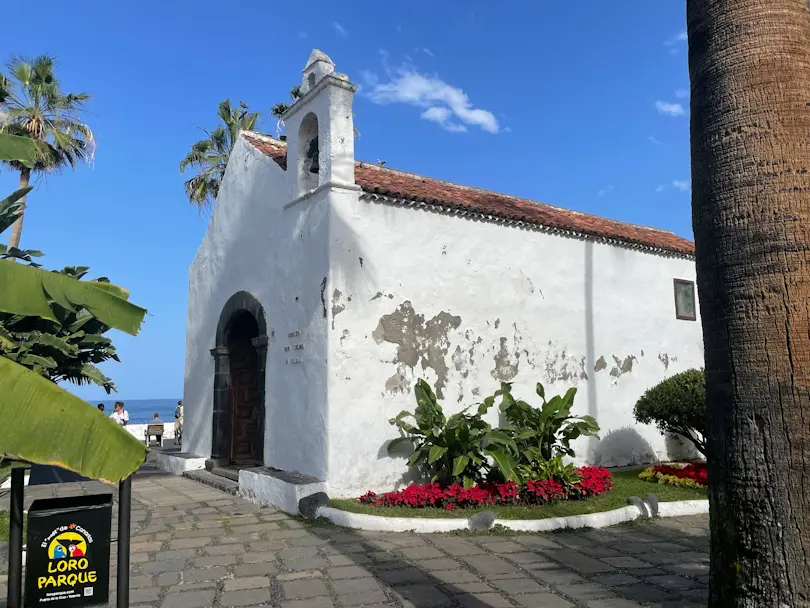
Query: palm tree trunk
pixel 16 228
pixel 749 66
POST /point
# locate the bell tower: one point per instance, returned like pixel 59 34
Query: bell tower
pixel 320 130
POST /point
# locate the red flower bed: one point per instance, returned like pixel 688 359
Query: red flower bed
pixel 594 482
pixel 695 471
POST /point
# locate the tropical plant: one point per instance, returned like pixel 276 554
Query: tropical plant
pixel 750 212
pixel 35 410
pixel 36 108
pixel 210 156
pixel 278 110
pixel 451 450
pixel 677 405
pixel 543 435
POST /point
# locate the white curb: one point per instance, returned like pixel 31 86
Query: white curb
pixel 378 523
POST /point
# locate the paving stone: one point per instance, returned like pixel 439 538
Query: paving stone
pixel 248 582
pixel 295 576
pixel 672 582
pixel 615 580
pixel 143 595
pixel 168 565
pixel 304 589
pixel 165 579
pixel 454 577
pixel 309 563
pixel 259 569
pixel 147 547
pixel 421 596
pixel 625 562
pixel 419 553
pixel 264 546
pixel 519 585
pixel 366 598
pixel 613 603
pixel 175 554
pixel 481 600
pixel 488 564
pixel 189 599
pixel 356 585
pixel 456 546
pixel 318 602
pixel 579 561
pixel 644 593
pixel 306 541
pixel 298 552
pixel 586 591
pixel 469 588
pixel 503 547
pixel 558 577
pixel 402 576
pixel 135 582
pixel 546 600
pixel 189 543
pixel 234 549
pixel 348 572
pixel 439 564
pixel 214 560
pixel 340 560
pixel 256 558
pixel 204 574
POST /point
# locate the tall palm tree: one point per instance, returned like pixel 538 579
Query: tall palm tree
pixel 36 108
pixel 210 155
pixel 749 66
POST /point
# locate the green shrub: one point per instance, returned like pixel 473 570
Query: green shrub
pixel 543 435
pixel 677 405
pixel 452 450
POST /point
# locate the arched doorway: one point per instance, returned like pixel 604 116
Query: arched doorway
pixel 240 356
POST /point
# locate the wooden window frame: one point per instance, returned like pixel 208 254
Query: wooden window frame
pixel 678 315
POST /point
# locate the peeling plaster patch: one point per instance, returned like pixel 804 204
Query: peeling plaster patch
pixel 343 336
pixel 377 296
pixel 622 366
pixel 476 391
pixel 664 359
pixel 323 296
pixel 642 353
pixel 361 262
pixel 418 341
pixel 398 383
pixel 562 367
pixel 600 364
pixel 506 363
pixel 337 305
pixel 497 323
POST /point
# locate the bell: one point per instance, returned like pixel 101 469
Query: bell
pixel 312 154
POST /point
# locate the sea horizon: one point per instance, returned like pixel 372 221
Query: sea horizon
pixel 141 410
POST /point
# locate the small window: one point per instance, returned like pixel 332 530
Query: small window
pixel 685 300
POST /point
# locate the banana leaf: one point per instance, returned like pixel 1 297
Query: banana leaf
pixel 25 290
pixel 45 424
pixel 15 148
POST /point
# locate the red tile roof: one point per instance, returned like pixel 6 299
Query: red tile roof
pixel 387 182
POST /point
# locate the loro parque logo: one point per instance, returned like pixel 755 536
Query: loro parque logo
pixel 69 558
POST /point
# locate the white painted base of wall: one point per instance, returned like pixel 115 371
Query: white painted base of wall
pixel 139 431
pixel 376 523
pixel 177 465
pixel 6 485
pixel 268 490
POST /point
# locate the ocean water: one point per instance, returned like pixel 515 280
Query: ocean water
pixel 142 410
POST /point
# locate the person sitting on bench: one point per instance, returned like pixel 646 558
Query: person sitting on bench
pixel 155 429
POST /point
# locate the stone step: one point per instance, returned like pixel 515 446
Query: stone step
pixel 215 481
pixel 231 473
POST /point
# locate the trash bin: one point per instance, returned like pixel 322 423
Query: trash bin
pixel 68 551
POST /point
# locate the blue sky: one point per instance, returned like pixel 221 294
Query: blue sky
pixel 581 105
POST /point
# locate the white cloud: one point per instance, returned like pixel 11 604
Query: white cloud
pixel 682 93
pixel 677 39
pixel 444 104
pixel 339 29
pixel 605 190
pixel 677 184
pixel 654 140
pixel 427 51
pixel 669 109
pixel 302 34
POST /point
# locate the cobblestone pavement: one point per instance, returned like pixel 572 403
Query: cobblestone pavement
pixel 194 546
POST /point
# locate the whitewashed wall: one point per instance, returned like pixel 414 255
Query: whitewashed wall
pixel 466 304
pixel 279 255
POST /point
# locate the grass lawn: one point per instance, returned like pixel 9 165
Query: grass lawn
pixel 4 526
pixel 625 484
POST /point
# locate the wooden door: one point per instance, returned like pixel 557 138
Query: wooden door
pixel 245 406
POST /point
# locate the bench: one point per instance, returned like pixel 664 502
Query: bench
pixel 156 431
